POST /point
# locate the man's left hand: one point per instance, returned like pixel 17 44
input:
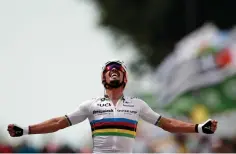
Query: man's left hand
pixel 208 127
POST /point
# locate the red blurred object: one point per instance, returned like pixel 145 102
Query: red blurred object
pixel 223 58
pixel 5 149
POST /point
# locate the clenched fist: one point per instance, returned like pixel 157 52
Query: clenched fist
pixel 16 131
pixel 208 127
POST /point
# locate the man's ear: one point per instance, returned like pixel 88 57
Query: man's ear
pixel 125 78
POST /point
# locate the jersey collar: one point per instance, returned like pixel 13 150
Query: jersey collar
pixel 122 97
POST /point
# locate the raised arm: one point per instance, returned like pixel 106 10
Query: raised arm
pixel 54 124
pixel 177 126
pixel 49 126
pixel 173 125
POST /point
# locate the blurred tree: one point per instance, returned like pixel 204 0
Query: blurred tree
pixel 154 26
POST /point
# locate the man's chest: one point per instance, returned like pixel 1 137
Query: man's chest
pixel 114 120
pixel 106 109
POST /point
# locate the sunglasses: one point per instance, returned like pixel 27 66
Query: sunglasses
pixel 117 66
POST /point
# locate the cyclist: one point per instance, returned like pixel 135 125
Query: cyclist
pixel 114 116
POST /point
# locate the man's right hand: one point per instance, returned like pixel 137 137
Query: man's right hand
pixel 17 131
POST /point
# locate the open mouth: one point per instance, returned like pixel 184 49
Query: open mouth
pixel 114 74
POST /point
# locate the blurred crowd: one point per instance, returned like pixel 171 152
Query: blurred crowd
pixel 204 144
pixel 26 147
pixel 177 143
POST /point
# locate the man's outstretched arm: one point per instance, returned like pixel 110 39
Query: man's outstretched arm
pixel 173 125
pixel 177 126
pixel 52 125
pixel 45 127
pixel 49 126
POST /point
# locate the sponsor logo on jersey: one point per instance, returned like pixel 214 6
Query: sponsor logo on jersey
pixel 102 111
pixel 125 103
pixel 134 98
pixel 104 104
pixel 128 111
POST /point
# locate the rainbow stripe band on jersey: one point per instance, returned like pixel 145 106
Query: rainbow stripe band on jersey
pixel 114 127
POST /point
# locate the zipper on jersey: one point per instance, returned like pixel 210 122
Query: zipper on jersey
pixel 115 116
pixel 114 137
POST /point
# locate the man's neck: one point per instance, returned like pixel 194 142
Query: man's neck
pixel 114 94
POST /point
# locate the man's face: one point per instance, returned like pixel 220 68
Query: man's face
pixel 114 74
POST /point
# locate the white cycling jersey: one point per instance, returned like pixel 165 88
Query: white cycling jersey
pixel 113 127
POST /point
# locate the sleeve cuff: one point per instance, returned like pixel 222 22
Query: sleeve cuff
pixel 67 118
pixel 158 120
